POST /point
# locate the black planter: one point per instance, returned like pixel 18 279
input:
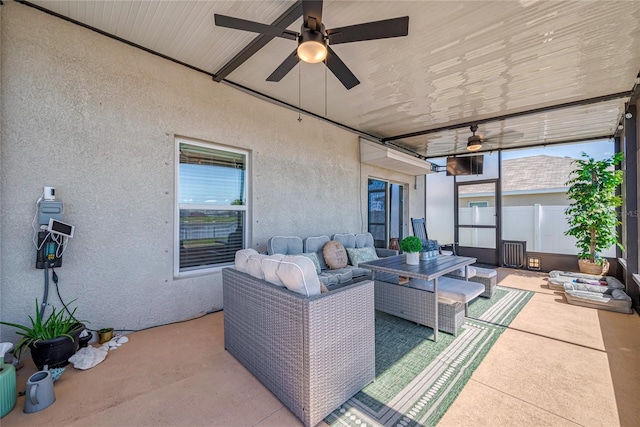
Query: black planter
pixel 56 352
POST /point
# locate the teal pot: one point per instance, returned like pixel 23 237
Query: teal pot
pixel 56 352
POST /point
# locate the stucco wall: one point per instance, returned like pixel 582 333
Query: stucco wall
pixel 96 119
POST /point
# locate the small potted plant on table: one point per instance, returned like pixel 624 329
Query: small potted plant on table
pixel 411 246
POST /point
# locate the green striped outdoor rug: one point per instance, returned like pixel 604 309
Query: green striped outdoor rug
pixel 416 379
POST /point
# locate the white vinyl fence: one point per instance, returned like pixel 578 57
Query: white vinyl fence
pixel 542 227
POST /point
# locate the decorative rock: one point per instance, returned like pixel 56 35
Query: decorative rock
pixel 88 357
pixel 123 339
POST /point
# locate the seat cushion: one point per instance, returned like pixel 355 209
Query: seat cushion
pixel 487 273
pixel 452 289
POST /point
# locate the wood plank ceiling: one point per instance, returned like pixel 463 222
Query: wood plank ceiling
pixel 462 62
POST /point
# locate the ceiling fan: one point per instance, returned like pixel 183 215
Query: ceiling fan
pixel 475 142
pixel 314 40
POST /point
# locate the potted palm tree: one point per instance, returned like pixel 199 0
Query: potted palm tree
pixel 592 215
pixel 52 341
pixel 411 246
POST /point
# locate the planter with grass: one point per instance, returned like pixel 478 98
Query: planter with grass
pixel 52 341
pixel 411 246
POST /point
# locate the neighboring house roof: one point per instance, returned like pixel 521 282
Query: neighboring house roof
pixel 528 174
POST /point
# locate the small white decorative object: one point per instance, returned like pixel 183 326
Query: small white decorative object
pixel 88 357
pixel 412 258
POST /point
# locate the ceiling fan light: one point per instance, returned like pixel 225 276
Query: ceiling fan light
pixel 312 52
pixel 474 145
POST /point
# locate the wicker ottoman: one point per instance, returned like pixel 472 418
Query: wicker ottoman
pixel 488 278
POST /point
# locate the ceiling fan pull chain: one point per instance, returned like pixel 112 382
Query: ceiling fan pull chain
pixel 325 90
pixel 299 104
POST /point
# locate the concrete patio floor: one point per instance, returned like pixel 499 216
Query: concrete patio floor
pixel 556 365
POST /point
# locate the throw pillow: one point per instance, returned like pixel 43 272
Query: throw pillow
pixel 334 255
pixel 242 256
pixel 313 257
pixel 270 266
pixel 299 275
pixel 358 255
pixel 254 266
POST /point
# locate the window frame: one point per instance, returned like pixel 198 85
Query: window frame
pixel 212 268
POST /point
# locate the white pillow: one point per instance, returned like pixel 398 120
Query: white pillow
pixel 298 273
pixel 270 269
pixel 242 256
pixel 254 265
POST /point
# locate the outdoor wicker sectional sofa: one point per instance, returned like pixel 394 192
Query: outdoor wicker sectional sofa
pixel 312 352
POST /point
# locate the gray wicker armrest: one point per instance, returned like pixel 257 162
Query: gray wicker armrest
pixel 312 353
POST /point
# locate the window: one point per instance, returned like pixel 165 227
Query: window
pixel 478 204
pixel 534 195
pixel 211 205
pixel 385 211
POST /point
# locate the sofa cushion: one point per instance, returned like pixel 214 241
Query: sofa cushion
pixel 334 277
pixel 254 265
pixel 314 258
pixel 335 255
pixel 287 245
pixel 460 272
pixel 454 289
pixel 242 256
pixel 364 240
pixel 270 266
pixel 315 244
pixel 358 255
pixel 299 275
pixel 348 240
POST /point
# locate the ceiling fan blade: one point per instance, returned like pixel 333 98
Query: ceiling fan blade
pixel 395 27
pixel 284 68
pixel 312 9
pixel 340 70
pixel 254 27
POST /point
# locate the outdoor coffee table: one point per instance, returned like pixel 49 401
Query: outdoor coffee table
pixel 429 269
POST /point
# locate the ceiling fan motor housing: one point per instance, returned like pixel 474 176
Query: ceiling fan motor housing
pixel 315 46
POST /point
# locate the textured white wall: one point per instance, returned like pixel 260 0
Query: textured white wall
pixel 96 119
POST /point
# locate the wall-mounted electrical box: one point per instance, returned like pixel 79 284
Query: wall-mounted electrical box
pixel 48 209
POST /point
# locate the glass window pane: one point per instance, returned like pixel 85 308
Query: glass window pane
pixel 534 195
pixel 211 205
pixel 209 237
pixel 477 237
pixel 210 176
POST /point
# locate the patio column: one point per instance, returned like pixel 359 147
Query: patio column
pixel 632 154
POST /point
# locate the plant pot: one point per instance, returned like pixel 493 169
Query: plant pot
pixel 412 258
pixel 105 335
pixel 589 267
pixel 56 352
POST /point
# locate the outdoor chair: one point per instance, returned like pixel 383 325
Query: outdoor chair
pixel 420 231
